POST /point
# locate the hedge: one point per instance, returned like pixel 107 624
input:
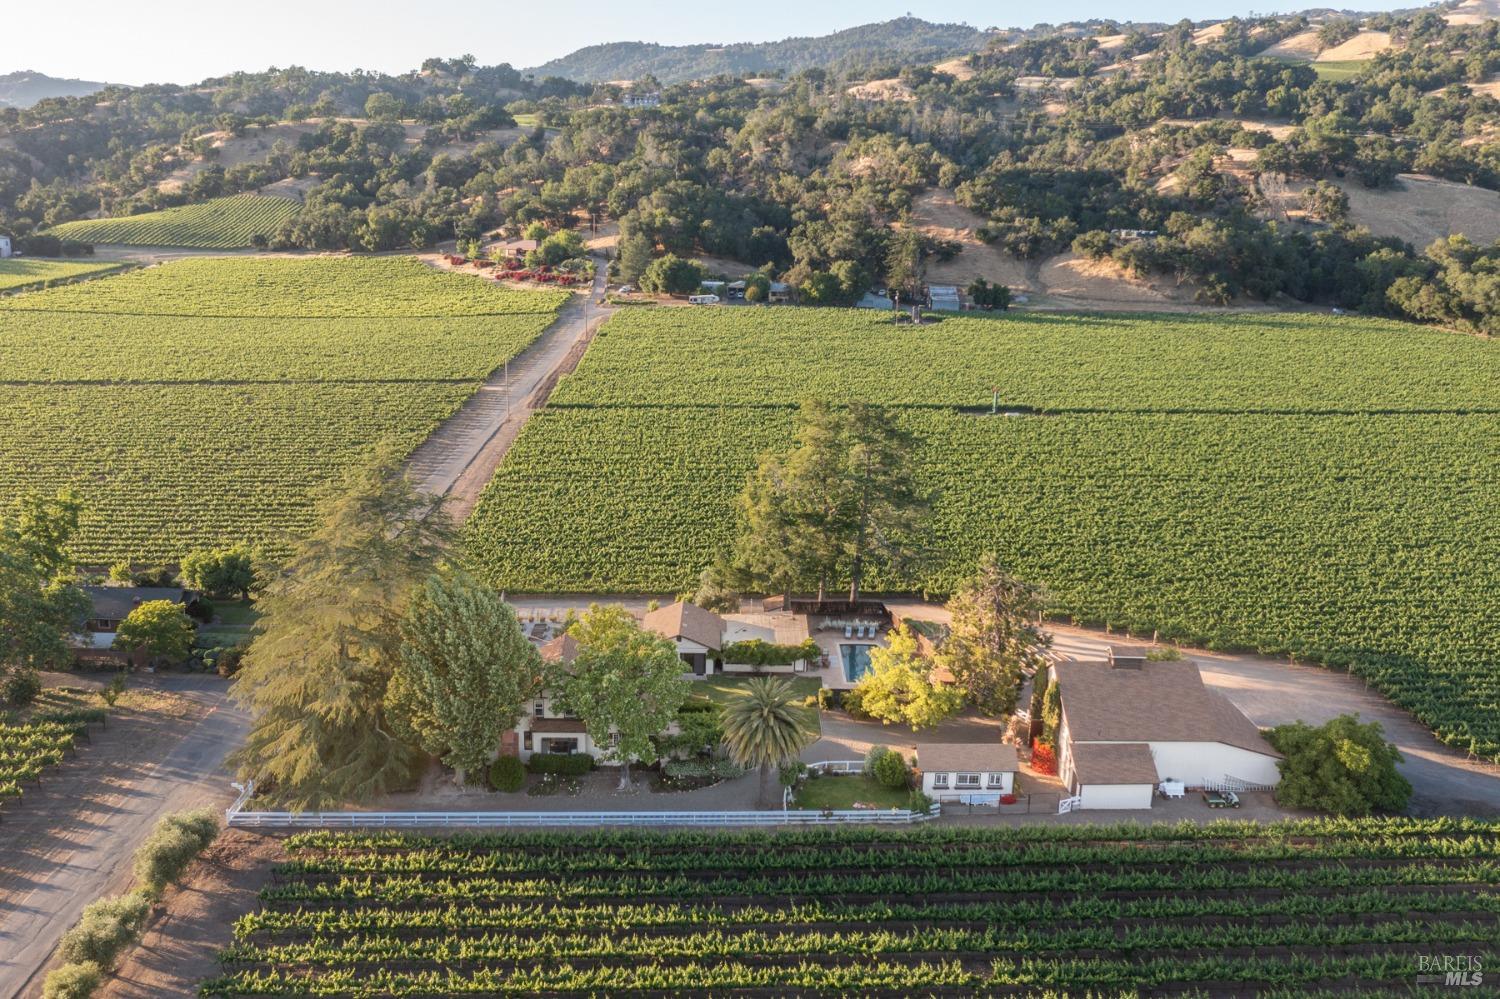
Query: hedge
pixel 566 764
pixel 758 653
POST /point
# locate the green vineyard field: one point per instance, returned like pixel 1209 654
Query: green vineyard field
pixel 219 224
pixel 204 401
pixel 1062 910
pixel 22 273
pixel 1288 483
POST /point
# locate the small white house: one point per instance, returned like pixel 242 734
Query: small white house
pixel 5 250
pixel 968 772
pixel 697 633
pixel 1130 723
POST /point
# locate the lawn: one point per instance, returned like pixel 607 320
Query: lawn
pixel 840 793
pixel 232 627
pixel 725 690
pixel 235 613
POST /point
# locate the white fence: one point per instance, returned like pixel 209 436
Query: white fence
pixel 236 816
pixel 1066 805
pixel 1236 784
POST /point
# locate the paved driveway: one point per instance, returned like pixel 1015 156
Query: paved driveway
pixel 846 738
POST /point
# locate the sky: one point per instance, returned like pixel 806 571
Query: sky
pixel 184 41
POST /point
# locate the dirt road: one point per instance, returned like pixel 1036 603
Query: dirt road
pixel 72 837
pixel 461 456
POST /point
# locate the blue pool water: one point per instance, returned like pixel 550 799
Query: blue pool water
pixel 856 661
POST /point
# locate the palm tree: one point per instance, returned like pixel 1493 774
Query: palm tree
pixel 764 729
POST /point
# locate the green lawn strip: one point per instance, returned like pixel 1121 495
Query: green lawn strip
pixel 725 690
pixel 840 793
pixel 235 613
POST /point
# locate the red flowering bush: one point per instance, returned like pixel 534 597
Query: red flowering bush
pixel 1043 758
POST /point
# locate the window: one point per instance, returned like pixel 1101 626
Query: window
pixel 968 780
pixel 995 780
pixel 939 780
pixel 539 709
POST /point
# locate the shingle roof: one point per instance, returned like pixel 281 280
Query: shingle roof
pixel 685 620
pixel 114 603
pixel 562 649
pixel 1158 702
pixel 568 726
pixel 971 757
pixel 1114 763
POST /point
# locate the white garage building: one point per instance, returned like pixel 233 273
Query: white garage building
pixel 1130 723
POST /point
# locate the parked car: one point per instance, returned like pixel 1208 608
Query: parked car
pixel 1221 799
pixel 625 289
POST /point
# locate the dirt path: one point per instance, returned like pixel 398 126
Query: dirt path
pixel 72 838
pixel 194 922
pixel 461 456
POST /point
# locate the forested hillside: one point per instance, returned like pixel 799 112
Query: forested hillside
pixel 903 40
pixel 1230 160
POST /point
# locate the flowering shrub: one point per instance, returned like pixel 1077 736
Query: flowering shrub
pixel 1043 758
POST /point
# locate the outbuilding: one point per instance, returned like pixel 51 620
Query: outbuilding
pixel 697 633
pixel 968 772
pixel 1131 722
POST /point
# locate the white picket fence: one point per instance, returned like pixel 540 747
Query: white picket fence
pixel 238 817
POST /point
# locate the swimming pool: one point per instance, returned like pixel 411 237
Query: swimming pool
pixel 856 661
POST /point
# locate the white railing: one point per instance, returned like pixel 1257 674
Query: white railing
pixel 1066 805
pixel 1236 784
pixel 838 766
pixel 236 816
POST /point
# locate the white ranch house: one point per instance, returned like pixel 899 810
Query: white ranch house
pixel 1130 723
pixel 967 772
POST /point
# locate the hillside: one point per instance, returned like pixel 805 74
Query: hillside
pixel 25 87
pixel 905 39
pixel 220 224
pixel 1417 208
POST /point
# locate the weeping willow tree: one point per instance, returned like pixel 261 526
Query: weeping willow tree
pixel 315 676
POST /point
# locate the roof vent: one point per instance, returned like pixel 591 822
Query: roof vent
pixel 1127 656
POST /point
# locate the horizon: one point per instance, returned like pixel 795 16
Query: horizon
pixel 324 42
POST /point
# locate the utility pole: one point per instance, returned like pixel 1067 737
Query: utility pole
pixel 994 400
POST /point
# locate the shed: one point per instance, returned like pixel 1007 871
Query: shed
pixel 967 771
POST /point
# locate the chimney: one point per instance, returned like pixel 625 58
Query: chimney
pixel 1127 656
